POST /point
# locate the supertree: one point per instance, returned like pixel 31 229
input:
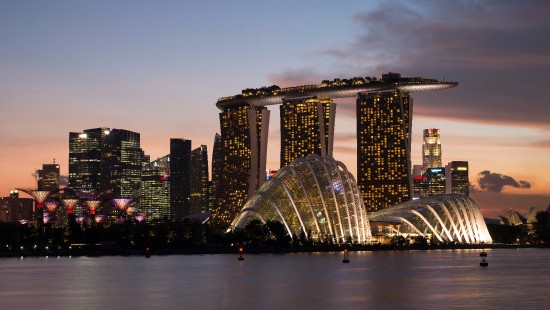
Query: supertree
pixel 39 196
pixel 122 203
pixel 70 203
pixel 92 206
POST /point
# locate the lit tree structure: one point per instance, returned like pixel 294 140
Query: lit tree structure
pixel 122 203
pixel 39 197
pixel 70 203
pixel 92 206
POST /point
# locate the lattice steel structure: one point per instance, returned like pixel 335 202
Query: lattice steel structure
pixel 313 196
pixel 445 218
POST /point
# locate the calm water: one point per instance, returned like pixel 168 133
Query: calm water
pixel 515 279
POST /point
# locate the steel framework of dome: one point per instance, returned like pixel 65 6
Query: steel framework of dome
pixel 448 218
pixel 314 196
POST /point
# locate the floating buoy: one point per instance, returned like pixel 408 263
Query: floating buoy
pixel 241 255
pixel 345 260
pixel 484 263
pixel 483 256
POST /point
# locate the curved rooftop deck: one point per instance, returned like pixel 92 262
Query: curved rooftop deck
pixel 332 89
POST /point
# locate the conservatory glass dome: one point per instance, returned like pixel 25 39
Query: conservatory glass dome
pixel 446 218
pixel 313 196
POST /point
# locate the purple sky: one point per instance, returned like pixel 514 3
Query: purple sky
pixel 158 68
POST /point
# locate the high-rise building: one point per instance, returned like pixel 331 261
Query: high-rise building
pixel 431 149
pixel 106 162
pixel 217 159
pixel 14 208
pixel 307 127
pixel 198 184
pixel 85 158
pixel 155 189
pixel 435 180
pixel 48 177
pixel 383 148
pixel 457 179
pixel 244 131
pixel 180 156
pixel 121 164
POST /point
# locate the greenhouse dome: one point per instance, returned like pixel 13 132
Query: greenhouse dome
pixel 315 197
pixel 445 218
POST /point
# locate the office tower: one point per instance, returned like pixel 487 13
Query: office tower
pixel 85 150
pixel 457 179
pixel 431 149
pixel 48 177
pixel 383 148
pixel 435 181
pixel 155 188
pixel 121 164
pixel 105 162
pixel 244 148
pixel 180 155
pixel 198 184
pixel 216 169
pixel 307 127
pixel 14 208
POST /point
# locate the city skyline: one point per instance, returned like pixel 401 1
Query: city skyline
pixel 158 70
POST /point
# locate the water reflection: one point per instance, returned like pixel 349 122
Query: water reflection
pixel 397 279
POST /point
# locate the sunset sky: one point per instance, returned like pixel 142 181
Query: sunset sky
pixel 158 68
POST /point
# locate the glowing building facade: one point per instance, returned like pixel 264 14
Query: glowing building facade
pixel 244 149
pixel 431 149
pixel 383 148
pixel 313 197
pixel 307 127
pixel 443 218
pixel 384 115
pixel 155 189
pixel 121 164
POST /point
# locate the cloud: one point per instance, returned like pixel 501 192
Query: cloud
pixel 541 144
pixel 493 204
pixel 496 50
pixel 495 182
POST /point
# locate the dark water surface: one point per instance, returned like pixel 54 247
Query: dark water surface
pixel 515 279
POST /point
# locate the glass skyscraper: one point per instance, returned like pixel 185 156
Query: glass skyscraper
pixel 383 148
pixel 121 164
pixel 457 177
pixel 85 150
pixel 307 127
pixel 180 156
